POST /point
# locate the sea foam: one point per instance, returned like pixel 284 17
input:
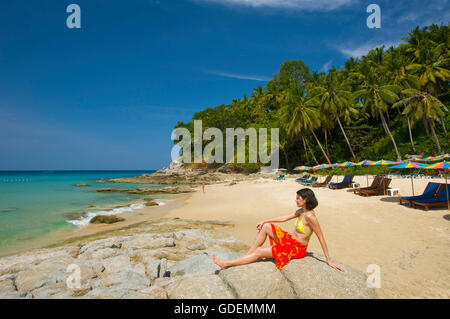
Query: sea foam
pixel 89 215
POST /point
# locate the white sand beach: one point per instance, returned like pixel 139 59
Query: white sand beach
pixel 410 245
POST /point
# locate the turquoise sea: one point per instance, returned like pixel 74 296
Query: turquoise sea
pixel 35 204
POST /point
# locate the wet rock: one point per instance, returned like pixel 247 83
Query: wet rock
pixel 107 219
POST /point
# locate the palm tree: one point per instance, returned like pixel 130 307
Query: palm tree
pixel 421 104
pixel 299 115
pixel 333 96
pixel 373 90
pixel 395 64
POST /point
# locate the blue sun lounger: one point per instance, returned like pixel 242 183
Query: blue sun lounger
pixel 440 199
pixel 304 178
pixel 428 193
pixel 346 182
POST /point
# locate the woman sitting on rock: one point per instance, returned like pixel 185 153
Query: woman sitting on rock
pixel 284 246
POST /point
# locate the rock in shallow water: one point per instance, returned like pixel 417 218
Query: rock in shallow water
pixel 109 219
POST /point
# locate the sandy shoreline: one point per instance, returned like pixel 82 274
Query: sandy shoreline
pixel 410 245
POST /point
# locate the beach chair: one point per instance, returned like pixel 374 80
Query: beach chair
pixel 439 199
pixel 346 182
pixel 310 181
pixel 375 183
pixel 280 178
pixel 429 193
pixel 381 188
pixel 325 183
pixel 304 178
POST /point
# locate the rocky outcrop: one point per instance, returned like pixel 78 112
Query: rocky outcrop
pixel 148 190
pixel 153 263
pixel 106 219
pixel 180 174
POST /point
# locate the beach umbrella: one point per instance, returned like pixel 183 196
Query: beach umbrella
pixel 302 168
pixel 409 165
pixel 384 163
pixel 443 156
pixel 445 166
pixel 413 159
pixel 430 159
pixel 346 164
pixel 365 163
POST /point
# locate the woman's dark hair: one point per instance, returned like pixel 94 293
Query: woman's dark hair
pixel 308 195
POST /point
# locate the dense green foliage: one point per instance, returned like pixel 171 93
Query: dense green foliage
pixel 387 104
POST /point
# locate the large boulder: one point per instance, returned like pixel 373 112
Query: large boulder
pixel 311 277
pixel 259 280
pixel 200 264
pixel 199 287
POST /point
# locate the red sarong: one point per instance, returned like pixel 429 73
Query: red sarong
pixel 286 248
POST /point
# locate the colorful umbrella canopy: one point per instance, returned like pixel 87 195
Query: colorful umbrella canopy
pixel 443 156
pixel 409 165
pixel 442 166
pixel 302 168
pixel 364 163
pixel 346 164
pixel 384 162
pixel 430 158
pixel 413 159
pixel 334 165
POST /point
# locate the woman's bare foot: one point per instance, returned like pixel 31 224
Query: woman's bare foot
pixel 219 262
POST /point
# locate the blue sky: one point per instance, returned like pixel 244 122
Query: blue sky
pixel 108 95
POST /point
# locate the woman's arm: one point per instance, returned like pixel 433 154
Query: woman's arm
pixel 314 224
pixel 279 219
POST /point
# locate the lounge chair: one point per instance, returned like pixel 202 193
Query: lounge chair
pixel 325 183
pixel 375 183
pixel 304 178
pixel 429 193
pixel 310 181
pixel 439 199
pixel 381 188
pixel 280 178
pixel 346 182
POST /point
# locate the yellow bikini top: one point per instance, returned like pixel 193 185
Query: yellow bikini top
pixel 300 227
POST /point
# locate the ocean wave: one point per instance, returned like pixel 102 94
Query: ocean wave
pixel 116 211
pixel 159 202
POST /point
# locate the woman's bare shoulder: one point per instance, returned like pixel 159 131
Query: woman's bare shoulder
pixel 310 215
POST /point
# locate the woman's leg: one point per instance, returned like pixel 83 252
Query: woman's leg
pixel 265 231
pixel 259 253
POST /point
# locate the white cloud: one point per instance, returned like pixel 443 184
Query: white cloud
pixel 362 49
pixel 326 66
pixel 238 76
pixel 322 5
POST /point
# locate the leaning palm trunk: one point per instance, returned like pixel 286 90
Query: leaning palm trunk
pixel 320 145
pixel 388 131
pixel 286 158
pixel 436 140
pixel 345 135
pixel 305 141
pixel 410 135
pixel 443 125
